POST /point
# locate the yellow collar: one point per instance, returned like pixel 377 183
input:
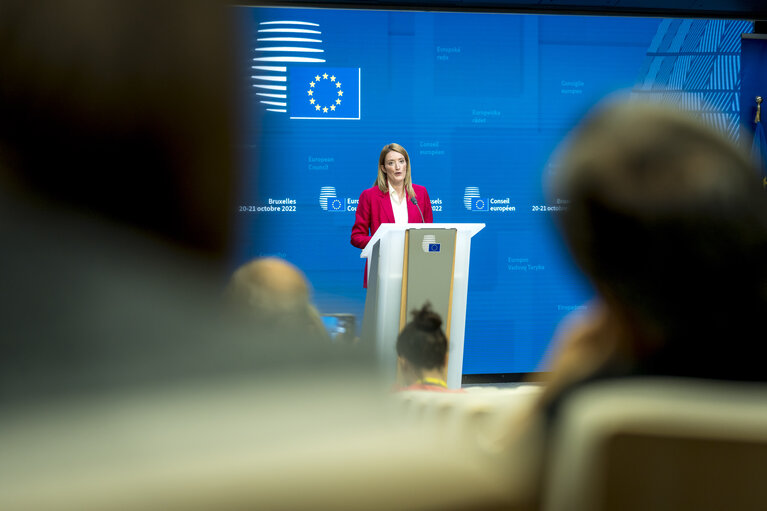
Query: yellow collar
pixel 432 381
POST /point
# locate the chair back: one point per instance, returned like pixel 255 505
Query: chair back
pixel 660 444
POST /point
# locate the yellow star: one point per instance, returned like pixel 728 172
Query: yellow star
pixel 316 107
pixel 311 92
pixel 333 107
pixel 325 76
pixel 311 84
pixel 338 85
pixel 332 78
pixel 325 109
pixel 317 78
pixel 338 102
pixel 311 101
pixel 340 93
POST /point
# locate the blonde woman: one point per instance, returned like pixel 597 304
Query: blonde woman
pixel 392 199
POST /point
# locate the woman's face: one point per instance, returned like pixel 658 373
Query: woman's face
pixel 395 168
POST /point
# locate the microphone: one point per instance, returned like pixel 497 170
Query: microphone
pixel 415 201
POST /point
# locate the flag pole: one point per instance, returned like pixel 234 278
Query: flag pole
pixel 758 109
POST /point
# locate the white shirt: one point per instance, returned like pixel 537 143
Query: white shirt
pixel 398 206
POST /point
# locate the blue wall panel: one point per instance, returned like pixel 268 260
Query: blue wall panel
pixel 479 101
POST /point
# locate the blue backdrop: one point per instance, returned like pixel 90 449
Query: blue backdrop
pixel 479 101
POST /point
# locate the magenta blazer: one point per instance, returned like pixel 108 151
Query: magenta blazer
pixel 374 208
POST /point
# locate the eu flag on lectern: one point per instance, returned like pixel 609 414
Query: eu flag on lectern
pixel 325 92
pixel 759 152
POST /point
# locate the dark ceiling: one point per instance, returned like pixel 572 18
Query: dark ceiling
pixel 743 9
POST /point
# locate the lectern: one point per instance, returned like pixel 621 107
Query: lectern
pixel 409 264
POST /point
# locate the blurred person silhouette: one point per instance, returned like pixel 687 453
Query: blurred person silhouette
pixel 666 218
pixel 422 352
pixel 117 177
pixel 275 293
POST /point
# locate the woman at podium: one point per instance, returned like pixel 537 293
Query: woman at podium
pixel 392 199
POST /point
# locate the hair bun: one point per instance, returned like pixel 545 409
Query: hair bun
pixel 426 319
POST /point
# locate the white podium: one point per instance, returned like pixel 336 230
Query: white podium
pixel 411 263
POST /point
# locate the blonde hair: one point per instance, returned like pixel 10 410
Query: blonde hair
pixel 381 181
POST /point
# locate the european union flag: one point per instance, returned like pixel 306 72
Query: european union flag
pixel 324 92
pixel 759 152
pixel 434 247
pixel 336 204
pixel 479 204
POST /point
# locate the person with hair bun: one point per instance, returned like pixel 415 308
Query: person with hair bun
pixel 422 352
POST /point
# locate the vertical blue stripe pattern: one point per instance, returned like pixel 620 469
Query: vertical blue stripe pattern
pixel 679 74
pixel 669 36
pixel 695 65
pixel 712 36
pixel 664 72
pixel 656 40
pixel 694 35
pixel 724 74
pixel 649 80
pixel 681 36
pixel 700 72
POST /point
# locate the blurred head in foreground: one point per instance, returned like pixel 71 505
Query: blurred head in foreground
pixel 275 293
pixel 123 110
pixel 116 178
pixel 667 218
pixel 422 350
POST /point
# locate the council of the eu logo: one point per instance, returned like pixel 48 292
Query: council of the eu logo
pixel 329 201
pixel 325 92
pixel 281 44
pixel 430 245
pixel 473 201
pixel 283 85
